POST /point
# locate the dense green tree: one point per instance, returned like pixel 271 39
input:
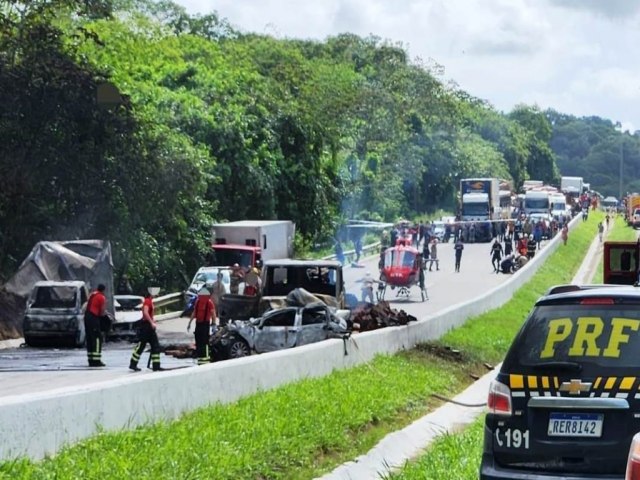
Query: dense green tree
pixel 541 163
pixel 208 124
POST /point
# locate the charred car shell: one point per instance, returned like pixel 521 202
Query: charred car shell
pixel 279 329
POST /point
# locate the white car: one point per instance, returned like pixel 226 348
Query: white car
pixel 437 230
pixel 206 276
pixel 128 308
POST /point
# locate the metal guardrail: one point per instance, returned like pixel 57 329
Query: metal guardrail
pixel 350 255
pixel 161 303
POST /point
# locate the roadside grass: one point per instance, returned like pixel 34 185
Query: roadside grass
pixel 620 231
pixel 306 428
pixel 450 456
pixel 297 431
pixel 487 337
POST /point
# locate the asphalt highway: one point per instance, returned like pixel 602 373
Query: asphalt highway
pixel 25 370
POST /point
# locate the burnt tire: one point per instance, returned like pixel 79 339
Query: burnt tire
pixel 33 341
pixel 238 348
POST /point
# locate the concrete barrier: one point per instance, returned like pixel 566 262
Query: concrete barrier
pixel 37 425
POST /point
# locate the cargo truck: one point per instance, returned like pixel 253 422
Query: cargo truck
pixel 633 210
pixel 250 242
pixel 480 203
pixel 536 202
pixel 572 186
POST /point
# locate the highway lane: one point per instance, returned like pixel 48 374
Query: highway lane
pixel 29 370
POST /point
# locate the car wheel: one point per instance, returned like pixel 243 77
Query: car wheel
pixel 238 348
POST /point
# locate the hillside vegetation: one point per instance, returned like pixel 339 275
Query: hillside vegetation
pixel 202 123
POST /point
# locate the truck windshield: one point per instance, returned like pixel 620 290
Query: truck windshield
pixel 55 297
pixel 229 257
pixel 477 209
pixel 536 203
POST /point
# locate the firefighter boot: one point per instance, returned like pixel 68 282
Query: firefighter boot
pixel 155 362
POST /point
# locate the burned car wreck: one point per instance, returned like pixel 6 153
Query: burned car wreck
pixel 303 320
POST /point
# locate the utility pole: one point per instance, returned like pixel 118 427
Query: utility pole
pixel 618 127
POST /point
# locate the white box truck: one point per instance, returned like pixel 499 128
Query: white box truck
pixel 480 203
pixel 246 241
pixel 572 186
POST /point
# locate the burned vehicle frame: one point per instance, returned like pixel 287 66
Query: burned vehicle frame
pixel 55 314
pixel 278 329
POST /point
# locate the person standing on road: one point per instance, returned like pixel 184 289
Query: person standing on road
pixel 434 255
pixel 532 245
pixel 600 231
pixel 147 335
pixel 203 311
pixel 426 253
pixel 537 234
pixel 236 277
pixel 367 287
pixel 496 255
pixel 508 246
pixel 218 289
pixel 458 247
pixel 338 251
pixel 357 246
pixel 94 316
pixel 522 245
pixel 565 234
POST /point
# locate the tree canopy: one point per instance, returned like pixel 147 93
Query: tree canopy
pixel 207 124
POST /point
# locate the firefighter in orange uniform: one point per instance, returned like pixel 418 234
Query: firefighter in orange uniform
pixel 148 335
pixel 203 311
pixel 93 318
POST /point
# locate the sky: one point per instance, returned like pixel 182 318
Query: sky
pixel 576 56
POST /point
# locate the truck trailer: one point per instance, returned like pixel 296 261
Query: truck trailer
pixel 249 242
pixel 480 203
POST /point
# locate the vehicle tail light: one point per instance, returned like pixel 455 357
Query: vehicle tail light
pixel 597 301
pixel 499 401
pixel 633 463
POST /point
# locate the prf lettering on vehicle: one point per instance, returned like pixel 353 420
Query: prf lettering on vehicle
pixel 587 333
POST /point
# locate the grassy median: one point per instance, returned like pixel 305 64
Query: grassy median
pixel 487 336
pixel 619 232
pixel 458 455
pixel 308 427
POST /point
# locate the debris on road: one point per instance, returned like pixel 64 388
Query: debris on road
pixel 371 317
pixel 180 351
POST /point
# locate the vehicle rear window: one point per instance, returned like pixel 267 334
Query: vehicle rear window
pixel 594 336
